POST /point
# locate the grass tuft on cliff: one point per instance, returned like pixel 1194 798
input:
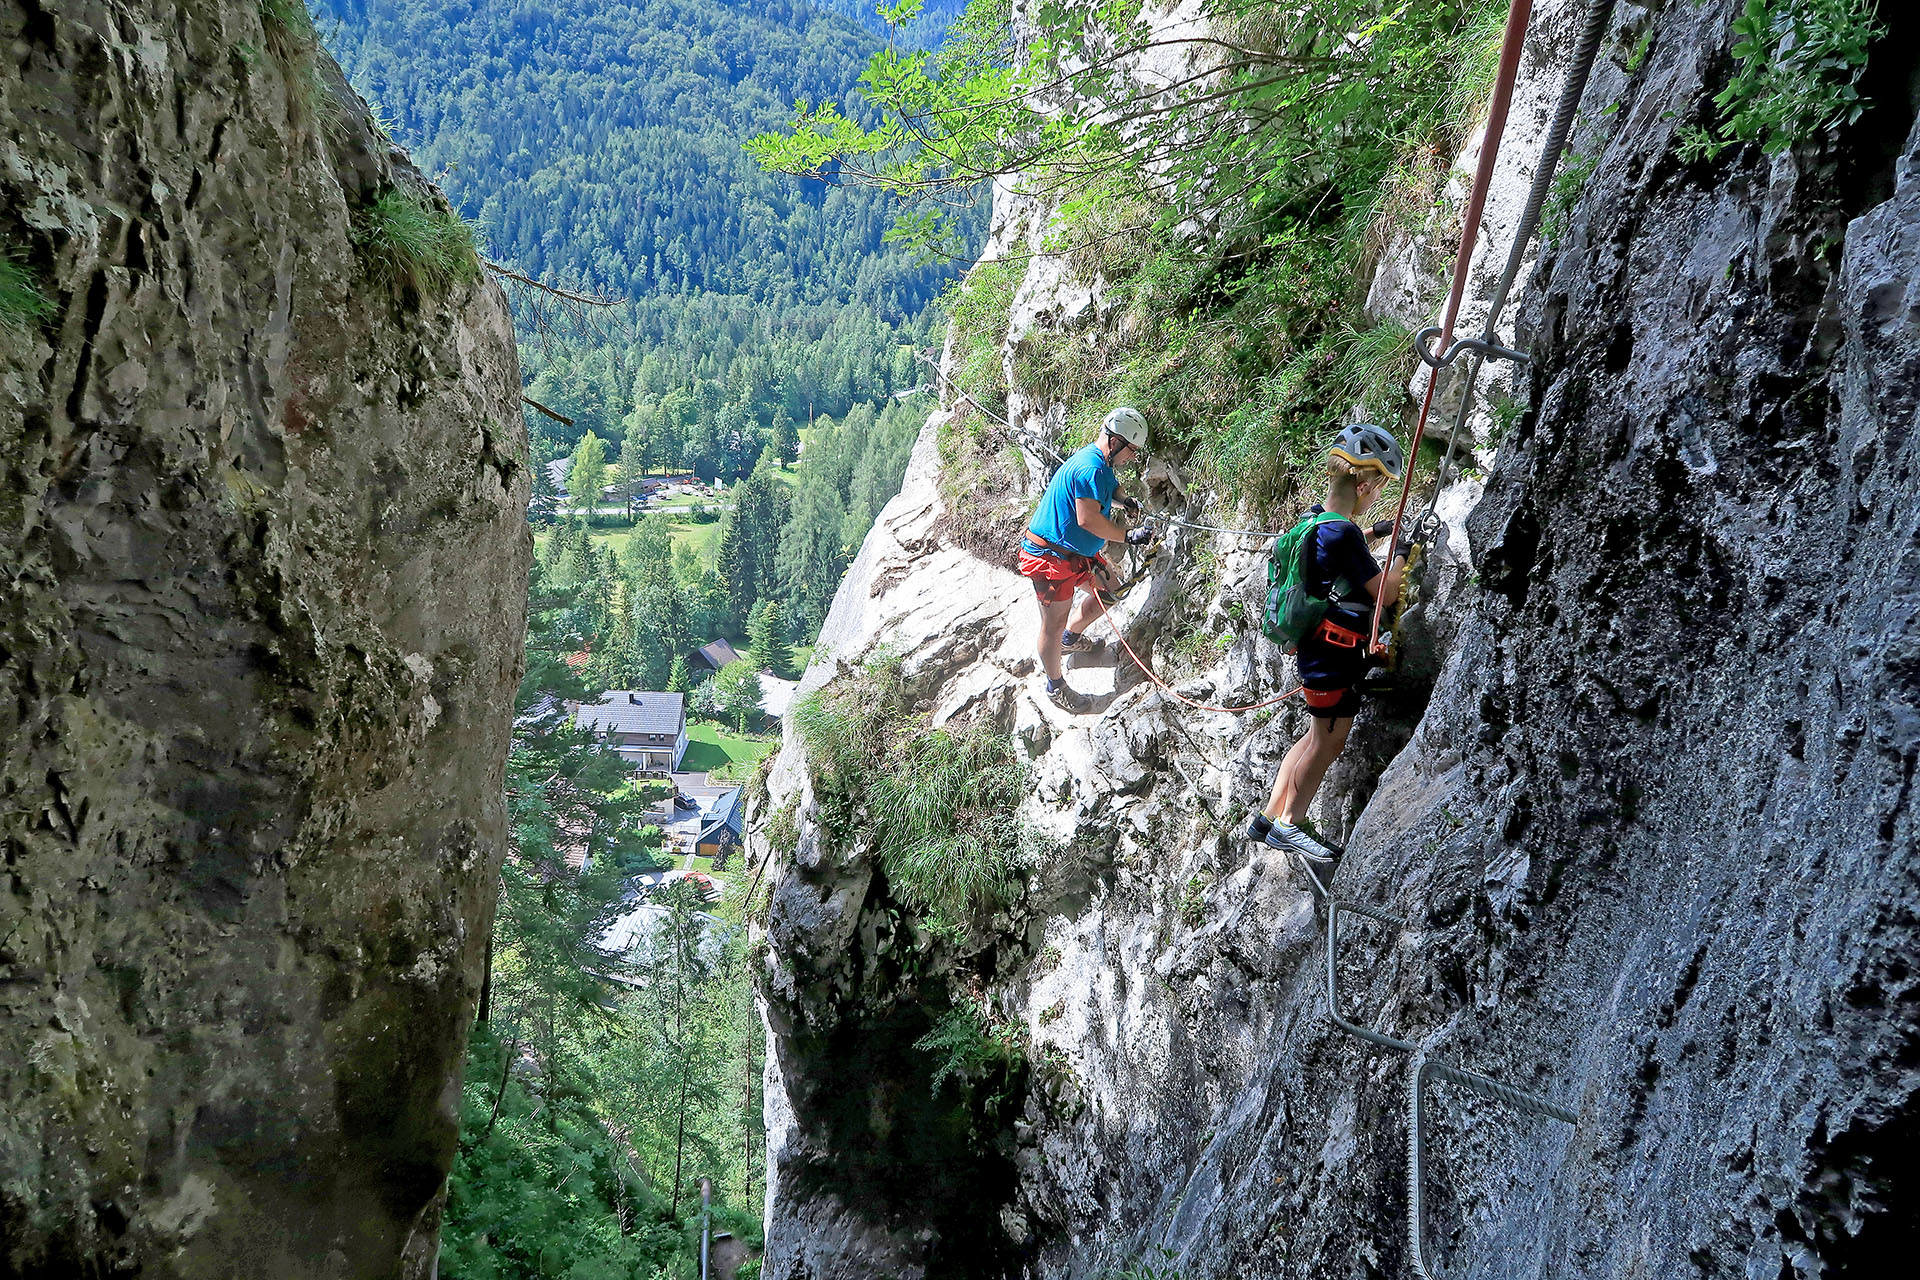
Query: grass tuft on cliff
pixel 289 30
pixel 22 305
pixel 404 237
pixel 939 803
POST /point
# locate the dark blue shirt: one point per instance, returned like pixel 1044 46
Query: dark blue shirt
pixel 1087 474
pixel 1338 566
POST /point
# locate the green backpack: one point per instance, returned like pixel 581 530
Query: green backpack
pixel 1292 610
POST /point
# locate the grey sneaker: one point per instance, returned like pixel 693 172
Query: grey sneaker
pixel 1306 825
pixel 1079 644
pixel 1069 699
pixel 1284 835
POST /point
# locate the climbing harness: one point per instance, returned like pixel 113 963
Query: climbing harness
pixel 1586 48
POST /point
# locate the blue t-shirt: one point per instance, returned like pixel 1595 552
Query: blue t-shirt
pixel 1337 556
pixel 1087 474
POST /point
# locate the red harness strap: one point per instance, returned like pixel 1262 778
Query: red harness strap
pixel 1338 636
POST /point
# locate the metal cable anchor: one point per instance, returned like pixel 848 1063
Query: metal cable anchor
pixel 1423 343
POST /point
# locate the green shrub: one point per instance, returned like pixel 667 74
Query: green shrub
pixel 978 305
pixel 1797 68
pixel 1193 899
pixel 783 829
pixel 411 238
pixel 22 305
pixel 968 1041
pixel 939 804
pixel 1575 169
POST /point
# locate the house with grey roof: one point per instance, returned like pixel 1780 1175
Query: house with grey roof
pixel 720 830
pixel 648 729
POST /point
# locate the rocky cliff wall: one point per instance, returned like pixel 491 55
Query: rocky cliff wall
pixel 260 609
pixel 1650 826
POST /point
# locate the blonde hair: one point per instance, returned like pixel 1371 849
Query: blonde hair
pixel 1344 478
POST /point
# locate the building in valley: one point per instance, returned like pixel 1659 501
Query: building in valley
pixel 648 729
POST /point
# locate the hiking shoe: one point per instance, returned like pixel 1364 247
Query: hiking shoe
pixel 1069 699
pixel 1306 825
pixel 1072 643
pixel 1284 835
pixel 1262 826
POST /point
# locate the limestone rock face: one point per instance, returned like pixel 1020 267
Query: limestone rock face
pixel 260 612
pixel 1647 810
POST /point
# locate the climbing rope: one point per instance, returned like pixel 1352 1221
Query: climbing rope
pixel 1510 46
pixel 1168 689
pixel 1586 49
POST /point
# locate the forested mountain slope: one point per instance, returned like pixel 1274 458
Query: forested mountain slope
pixel 599 145
pixel 599 142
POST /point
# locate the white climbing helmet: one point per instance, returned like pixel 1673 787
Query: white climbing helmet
pixel 1129 426
pixel 1365 445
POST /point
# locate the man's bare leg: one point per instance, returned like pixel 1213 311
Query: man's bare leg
pixel 1053 621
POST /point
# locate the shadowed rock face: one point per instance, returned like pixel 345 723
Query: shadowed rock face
pixel 1651 825
pixel 261 608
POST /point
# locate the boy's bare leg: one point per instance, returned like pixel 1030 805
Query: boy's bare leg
pixel 1304 768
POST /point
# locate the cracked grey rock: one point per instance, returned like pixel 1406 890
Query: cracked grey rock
pixel 261 612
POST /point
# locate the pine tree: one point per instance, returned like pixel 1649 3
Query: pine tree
pixel 812 555
pixel 786 437
pixel 679 679
pixel 543 507
pixel 627 474
pixel 577 563
pixel 749 542
pixel 767 641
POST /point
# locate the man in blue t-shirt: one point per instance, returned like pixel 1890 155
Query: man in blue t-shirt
pixel 1061 551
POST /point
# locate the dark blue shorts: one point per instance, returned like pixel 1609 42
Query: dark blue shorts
pixel 1326 670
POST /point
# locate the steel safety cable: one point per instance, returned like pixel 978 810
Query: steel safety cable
pixel 1586 50
pixel 1509 71
pixel 1420 1066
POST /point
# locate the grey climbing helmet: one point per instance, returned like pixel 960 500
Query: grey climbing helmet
pixel 1365 445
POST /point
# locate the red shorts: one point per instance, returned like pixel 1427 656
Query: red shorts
pixel 1056 578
